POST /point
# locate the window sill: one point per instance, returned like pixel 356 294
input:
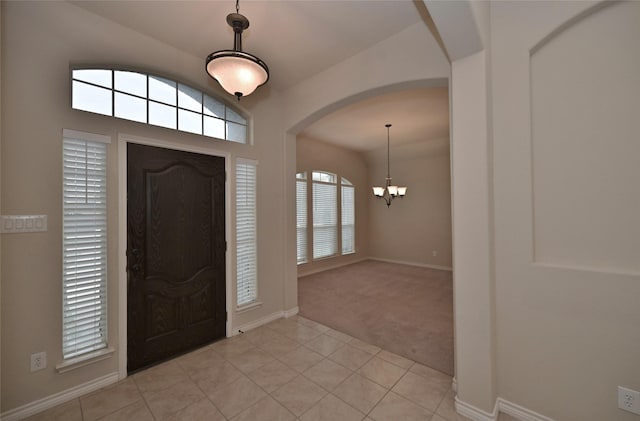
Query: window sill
pixel 83 360
pixel 248 307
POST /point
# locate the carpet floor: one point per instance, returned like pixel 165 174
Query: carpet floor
pixel 407 310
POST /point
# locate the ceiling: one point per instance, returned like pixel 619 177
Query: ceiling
pixel 298 39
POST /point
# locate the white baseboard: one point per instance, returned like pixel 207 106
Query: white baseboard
pixel 335 266
pixel 502 405
pixel 519 412
pixel 421 265
pixel 291 312
pixel 473 413
pixel 264 320
pixel 56 399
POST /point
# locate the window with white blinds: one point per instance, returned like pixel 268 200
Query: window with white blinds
pixel 348 217
pixel 325 215
pixel 84 244
pixel 246 233
pixel 301 216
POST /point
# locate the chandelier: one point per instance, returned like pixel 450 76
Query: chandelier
pixel 238 73
pixel 389 192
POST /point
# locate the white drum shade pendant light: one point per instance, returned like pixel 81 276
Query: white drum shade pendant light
pixel 238 73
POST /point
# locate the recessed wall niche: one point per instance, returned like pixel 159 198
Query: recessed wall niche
pixel 585 143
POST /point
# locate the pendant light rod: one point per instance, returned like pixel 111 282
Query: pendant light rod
pixel 239 73
pixel 388 153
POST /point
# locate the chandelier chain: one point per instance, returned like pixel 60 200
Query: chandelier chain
pixel 237 6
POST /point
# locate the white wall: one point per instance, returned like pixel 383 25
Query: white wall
pixel 313 155
pixel 566 149
pixel 39 42
pixel 412 228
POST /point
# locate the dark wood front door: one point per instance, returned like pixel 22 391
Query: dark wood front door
pixel 175 253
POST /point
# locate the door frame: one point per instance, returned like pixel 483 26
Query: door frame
pixel 123 140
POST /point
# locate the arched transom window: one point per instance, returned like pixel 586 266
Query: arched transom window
pixel 157 101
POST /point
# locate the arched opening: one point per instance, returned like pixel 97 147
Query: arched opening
pixel 362 164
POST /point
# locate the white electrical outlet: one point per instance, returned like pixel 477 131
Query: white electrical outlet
pixel 38 361
pixel 629 400
pixel 434 253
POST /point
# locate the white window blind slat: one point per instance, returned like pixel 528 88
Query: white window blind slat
pixel 301 218
pixel 84 266
pixel 348 218
pixel 325 219
pixel 246 233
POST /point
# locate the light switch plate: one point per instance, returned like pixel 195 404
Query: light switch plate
pixel 23 223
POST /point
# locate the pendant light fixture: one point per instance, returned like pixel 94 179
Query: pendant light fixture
pixel 389 192
pixel 238 73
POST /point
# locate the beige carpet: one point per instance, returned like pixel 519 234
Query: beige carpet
pixel 406 310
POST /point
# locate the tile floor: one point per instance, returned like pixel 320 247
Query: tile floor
pixel 289 369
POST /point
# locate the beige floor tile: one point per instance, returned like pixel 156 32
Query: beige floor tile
pixel 350 357
pixel 382 372
pixel 272 376
pixel 327 374
pixel 300 359
pixel 447 409
pixel 267 409
pixel 279 344
pixel 312 324
pixel 159 377
pixel 300 333
pixel 168 402
pixel 359 392
pixel 232 346
pixel 200 410
pixel 136 411
pixel 430 373
pixel 427 393
pixel 394 407
pixel 501 417
pixel 68 411
pixel 237 396
pixel 211 378
pixel 250 360
pixel 338 335
pixel 106 401
pixel 367 347
pixel 299 395
pixel 395 359
pixel 194 362
pixel 331 408
pixel 259 335
pixel 324 345
pixel 459 417
pixel 282 325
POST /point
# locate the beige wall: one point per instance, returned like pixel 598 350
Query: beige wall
pixel 567 212
pixel 415 227
pixel 39 42
pixel 313 155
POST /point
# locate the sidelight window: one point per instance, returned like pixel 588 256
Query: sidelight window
pixel 84 244
pixel 246 233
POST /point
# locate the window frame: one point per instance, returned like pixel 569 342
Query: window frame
pixel 324 177
pixel 302 215
pixel 230 111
